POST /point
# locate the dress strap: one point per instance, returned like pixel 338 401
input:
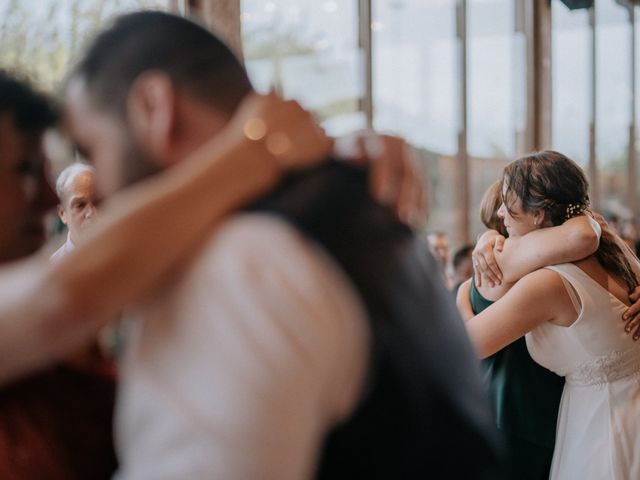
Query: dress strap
pixel 571 284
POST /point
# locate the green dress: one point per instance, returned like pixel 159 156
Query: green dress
pixel 526 398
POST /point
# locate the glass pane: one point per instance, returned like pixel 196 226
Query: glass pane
pixel 308 50
pixel 42 37
pixel 613 93
pixel 571 57
pixel 496 83
pixel 496 93
pixel 415 83
pixel 415 88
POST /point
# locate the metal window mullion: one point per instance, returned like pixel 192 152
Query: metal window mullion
pixel 366 42
pixel 593 160
pixel 632 189
pixel 520 28
pixel 463 199
pixel 539 83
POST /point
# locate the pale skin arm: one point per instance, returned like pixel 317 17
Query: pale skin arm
pixel 535 299
pixel 463 301
pixel 48 309
pixel 574 240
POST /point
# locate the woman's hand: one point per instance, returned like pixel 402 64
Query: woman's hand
pixel 484 260
pixel 283 129
pixel 395 178
pixel 631 316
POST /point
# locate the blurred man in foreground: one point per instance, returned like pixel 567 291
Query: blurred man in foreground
pixel 310 335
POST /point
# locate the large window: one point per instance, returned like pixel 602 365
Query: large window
pixel 415 88
pixel 415 76
pixel 308 50
pixel 417 91
pixel 496 85
pixel 576 99
pixel 496 78
pixel 311 50
pixel 613 96
pixel 571 57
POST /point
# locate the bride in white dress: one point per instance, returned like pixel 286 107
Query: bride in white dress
pixel 571 315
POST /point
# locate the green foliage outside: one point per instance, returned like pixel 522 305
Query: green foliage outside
pixel 41 38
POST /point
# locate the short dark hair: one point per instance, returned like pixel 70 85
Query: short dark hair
pixel 461 254
pixel 193 57
pixel 32 111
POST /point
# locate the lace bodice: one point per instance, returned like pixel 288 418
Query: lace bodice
pixel 606 368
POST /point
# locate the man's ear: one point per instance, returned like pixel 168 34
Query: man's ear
pixel 151 108
pixel 61 214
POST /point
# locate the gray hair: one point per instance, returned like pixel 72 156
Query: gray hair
pixel 69 174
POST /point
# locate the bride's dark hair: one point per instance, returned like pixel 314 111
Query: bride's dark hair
pixel 549 181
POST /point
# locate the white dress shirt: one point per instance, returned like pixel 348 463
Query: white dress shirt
pixel 239 368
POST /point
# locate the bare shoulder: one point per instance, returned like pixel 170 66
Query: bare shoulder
pixel 543 285
pixel 544 279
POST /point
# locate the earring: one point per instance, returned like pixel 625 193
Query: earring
pixel 535 222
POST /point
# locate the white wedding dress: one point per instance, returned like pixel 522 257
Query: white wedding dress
pixel 598 433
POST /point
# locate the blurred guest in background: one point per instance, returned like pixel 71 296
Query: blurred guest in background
pixel 75 208
pixel 438 243
pixel 462 266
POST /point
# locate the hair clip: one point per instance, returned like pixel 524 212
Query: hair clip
pixel 575 209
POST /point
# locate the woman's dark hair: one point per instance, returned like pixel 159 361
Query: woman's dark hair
pixel 550 182
pixel 489 206
pixel 32 111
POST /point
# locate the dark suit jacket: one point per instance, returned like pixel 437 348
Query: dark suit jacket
pixel 424 413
